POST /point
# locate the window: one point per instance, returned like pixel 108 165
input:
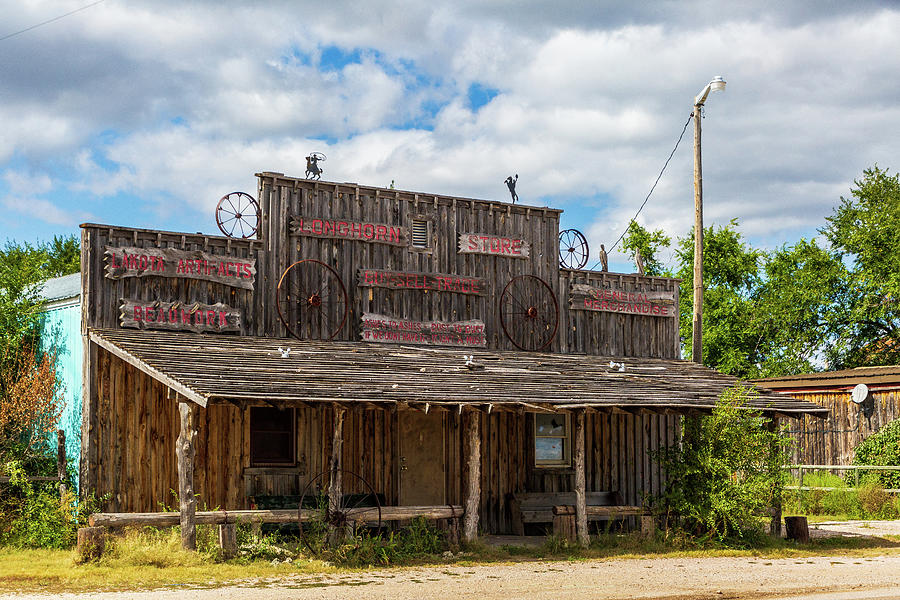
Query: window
pixel 552 442
pixel 420 233
pixel 273 435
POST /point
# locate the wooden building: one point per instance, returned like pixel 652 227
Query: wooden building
pixel 430 344
pixel 850 420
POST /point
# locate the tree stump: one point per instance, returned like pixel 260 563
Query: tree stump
pixel 796 528
pixel 648 527
pixel 564 522
pixel 228 540
pixel 91 543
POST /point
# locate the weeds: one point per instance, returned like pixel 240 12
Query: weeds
pixel 868 501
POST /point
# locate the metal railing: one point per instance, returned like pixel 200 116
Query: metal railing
pixel 855 468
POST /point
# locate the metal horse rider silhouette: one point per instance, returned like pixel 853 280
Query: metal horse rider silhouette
pixel 313 171
pixel 511 184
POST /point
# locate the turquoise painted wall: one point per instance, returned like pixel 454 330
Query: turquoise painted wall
pixel 62 333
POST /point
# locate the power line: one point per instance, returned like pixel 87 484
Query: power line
pixel 6 37
pixel 658 177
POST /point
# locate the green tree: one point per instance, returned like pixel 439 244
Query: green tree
pixel 730 277
pixel 864 231
pixel 649 243
pixel 802 295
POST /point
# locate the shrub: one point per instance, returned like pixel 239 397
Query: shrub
pixel 726 474
pixel 881 448
pixel 34 515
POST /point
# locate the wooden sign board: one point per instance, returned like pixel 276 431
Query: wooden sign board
pixel 494 245
pixel 612 299
pixel 376 233
pixel 178 316
pixel 410 280
pixel 172 262
pixel 379 328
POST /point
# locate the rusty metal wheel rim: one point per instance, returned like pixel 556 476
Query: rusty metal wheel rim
pixel 573 249
pixel 238 213
pixel 315 493
pixel 529 312
pixel 312 300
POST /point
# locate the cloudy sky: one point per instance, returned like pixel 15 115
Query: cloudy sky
pixel 141 113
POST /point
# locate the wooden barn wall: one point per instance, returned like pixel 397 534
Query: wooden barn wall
pixel 832 441
pixel 281 199
pixel 618 334
pixel 138 426
pixel 101 295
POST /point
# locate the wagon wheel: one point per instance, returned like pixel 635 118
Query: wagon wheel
pixel 573 249
pixel 312 301
pixel 238 213
pixel 529 313
pixel 322 523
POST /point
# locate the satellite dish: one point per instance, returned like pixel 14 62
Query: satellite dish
pixel 860 393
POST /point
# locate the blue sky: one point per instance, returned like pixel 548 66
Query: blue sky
pixel 145 113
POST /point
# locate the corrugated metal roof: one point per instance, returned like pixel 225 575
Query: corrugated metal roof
pixel 62 288
pixel 218 367
pixel 847 378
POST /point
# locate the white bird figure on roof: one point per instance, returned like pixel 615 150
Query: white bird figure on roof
pixel 285 352
pixel 619 366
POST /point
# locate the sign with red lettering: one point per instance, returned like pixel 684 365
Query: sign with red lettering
pixel 379 328
pixel 376 233
pixel 495 245
pixel 172 262
pixel 612 299
pixel 150 314
pixel 409 280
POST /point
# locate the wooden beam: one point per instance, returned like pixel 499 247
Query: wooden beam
pixel 581 521
pixel 184 453
pixel 221 517
pixel 335 480
pixel 473 479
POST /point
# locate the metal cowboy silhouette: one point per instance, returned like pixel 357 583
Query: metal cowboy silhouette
pixel 511 184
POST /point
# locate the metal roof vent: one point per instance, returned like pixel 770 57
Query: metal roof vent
pixel 420 233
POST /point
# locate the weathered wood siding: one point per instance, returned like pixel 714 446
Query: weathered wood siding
pixel 283 198
pixel 130 424
pixel 618 334
pixel 138 426
pixel 832 441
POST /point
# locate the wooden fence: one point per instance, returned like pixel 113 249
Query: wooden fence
pixel 855 468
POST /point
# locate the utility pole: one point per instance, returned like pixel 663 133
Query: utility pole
pixel 717 84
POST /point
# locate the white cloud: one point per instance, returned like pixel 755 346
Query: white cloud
pixel 176 102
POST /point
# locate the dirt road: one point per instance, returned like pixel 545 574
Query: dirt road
pixel 818 578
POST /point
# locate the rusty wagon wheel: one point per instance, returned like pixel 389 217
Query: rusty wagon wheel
pixel 573 249
pixel 237 215
pixel 529 313
pixel 322 523
pixel 312 300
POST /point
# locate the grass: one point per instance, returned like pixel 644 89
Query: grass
pixel 154 560
pixel 869 501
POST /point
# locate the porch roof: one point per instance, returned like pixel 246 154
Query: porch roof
pixel 205 368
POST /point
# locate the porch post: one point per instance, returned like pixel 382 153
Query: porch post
pixel 581 522
pixel 184 455
pixel 473 478
pixel 775 526
pixel 335 479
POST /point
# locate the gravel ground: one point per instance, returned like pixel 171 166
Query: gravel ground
pixel 819 578
pixel 816 578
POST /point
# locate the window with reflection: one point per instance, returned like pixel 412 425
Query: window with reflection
pixel 552 442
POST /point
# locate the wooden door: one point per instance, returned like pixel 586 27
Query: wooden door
pixel 422 460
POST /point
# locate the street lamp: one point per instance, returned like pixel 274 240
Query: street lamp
pixel 716 85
